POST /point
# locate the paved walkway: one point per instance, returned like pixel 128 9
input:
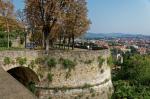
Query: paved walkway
pixel 10 88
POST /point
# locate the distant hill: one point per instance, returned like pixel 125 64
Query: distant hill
pixel 113 35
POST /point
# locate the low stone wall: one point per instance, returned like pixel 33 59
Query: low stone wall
pixel 87 80
pixel 14 54
pixel 32 54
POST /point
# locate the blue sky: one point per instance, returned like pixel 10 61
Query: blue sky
pixel 125 16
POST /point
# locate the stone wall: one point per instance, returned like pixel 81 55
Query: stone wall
pixel 86 80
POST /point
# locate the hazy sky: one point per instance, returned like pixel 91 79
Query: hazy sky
pixel 129 16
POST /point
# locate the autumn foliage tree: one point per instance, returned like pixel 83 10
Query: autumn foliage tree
pixel 76 21
pixel 7 16
pixel 45 12
pixel 58 19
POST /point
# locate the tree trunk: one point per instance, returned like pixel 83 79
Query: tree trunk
pixel 8 39
pixel 7 33
pixel 47 44
pixel 43 41
pixel 64 43
pixel 68 43
pixel 25 39
pixel 46 37
pixel 60 42
pixel 72 41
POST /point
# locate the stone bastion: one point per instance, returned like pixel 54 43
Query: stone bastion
pixel 66 74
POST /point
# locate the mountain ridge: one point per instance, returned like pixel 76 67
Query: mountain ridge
pixel 113 35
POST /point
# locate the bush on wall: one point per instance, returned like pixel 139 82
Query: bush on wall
pixel 21 60
pixel 51 62
pixel 68 64
pixel 101 61
pixel 7 60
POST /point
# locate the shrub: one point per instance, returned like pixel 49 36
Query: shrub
pixel 4 43
pixel 86 85
pixel 123 90
pixel 22 39
pixel 51 62
pixel 50 77
pixel 102 71
pixel 92 90
pixel 133 79
pixel 32 64
pixel 41 75
pixel 61 60
pixel 88 61
pixel 31 87
pixel 110 61
pixel 2 33
pixel 68 64
pixel 21 61
pixel 68 74
pixel 64 88
pixel 136 67
pixel 93 95
pixel 87 97
pixel 50 98
pixel 13 62
pixel 101 61
pixel 56 90
pixel 39 60
pixel 7 60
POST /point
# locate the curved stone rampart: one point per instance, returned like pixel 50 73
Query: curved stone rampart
pixel 87 80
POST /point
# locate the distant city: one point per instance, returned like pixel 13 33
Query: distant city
pixel 118 41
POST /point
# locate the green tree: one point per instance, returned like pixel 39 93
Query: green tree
pixel 136 67
pixel 133 80
pixel 6 10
